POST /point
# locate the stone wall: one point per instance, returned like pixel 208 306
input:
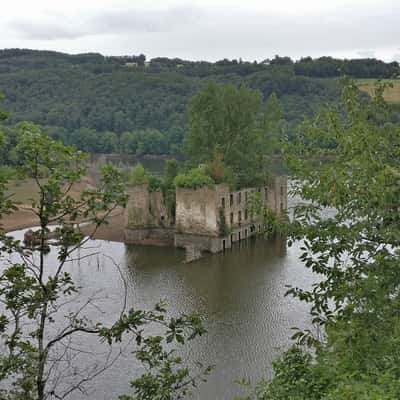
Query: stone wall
pixel 137 209
pixel 201 242
pixel 236 207
pixel 158 211
pixel 146 218
pixel 197 211
pixel 198 223
pixel 276 198
pixel 145 209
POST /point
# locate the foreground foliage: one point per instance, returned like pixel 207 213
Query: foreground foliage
pixel 42 318
pixel 348 171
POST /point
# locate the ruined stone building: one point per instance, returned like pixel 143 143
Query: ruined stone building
pixel 209 218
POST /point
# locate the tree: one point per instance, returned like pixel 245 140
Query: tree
pixel 3 136
pixel 224 123
pixel 138 176
pixel 29 290
pixel 277 60
pixel 349 163
pixel 143 142
pixel 3 115
pixel 171 170
pixel 38 361
pixel 273 124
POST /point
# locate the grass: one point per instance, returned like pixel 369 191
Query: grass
pixel 22 190
pixel 391 94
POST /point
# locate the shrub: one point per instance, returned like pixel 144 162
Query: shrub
pixel 193 179
pixel 155 183
pixel 138 175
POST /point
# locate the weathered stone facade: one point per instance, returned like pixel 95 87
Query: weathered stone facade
pixel 146 217
pixel 209 219
pixel 197 211
pixel 212 218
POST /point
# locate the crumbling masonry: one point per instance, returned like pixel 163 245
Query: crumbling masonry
pixel 209 219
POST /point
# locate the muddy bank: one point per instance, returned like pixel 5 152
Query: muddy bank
pixel 22 191
pixel 20 219
pixel 113 230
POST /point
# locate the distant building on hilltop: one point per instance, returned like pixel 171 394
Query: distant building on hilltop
pixel 131 64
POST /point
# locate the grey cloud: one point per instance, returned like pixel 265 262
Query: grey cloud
pixel 216 32
pixel 48 30
pixel 251 35
pixel 366 53
pixel 147 21
pixel 109 22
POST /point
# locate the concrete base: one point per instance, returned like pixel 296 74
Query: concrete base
pixel 150 236
pixel 200 242
pixel 195 245
pixel 213 244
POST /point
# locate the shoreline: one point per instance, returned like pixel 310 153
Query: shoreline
pixel 112 230
pixel 20 219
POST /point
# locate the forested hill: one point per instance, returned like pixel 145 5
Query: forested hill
pixel 105 104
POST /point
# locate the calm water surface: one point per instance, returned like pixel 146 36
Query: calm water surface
pixel 240 294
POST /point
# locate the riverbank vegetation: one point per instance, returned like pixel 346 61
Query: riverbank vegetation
pixel 353 352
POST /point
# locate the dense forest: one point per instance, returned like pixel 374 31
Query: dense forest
pixel 127 104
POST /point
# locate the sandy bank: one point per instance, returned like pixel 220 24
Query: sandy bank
pixel 24 218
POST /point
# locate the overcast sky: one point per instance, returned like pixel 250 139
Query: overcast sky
pixel 206 29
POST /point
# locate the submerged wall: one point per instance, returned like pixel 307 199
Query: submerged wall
pixel 197 211
pixel 210 218
pixel 146 217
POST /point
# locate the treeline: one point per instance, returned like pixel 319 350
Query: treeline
pixel 16 59
pixel 93 101
pixel 140 142
pixel 327 67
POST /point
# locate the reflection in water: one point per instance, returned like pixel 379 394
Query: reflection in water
pixel 239 293
pixel 241 296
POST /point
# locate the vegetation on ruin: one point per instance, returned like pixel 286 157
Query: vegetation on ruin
pixel 224 229
pixel 193 179
pixel 234 134
pixel 272 223
pixel 231 138
pixel 165 184
pixel 138 175
pixel 171 170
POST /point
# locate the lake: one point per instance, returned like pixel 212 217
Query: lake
pixel 240 295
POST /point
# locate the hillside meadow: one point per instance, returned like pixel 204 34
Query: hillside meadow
pixel 391 94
